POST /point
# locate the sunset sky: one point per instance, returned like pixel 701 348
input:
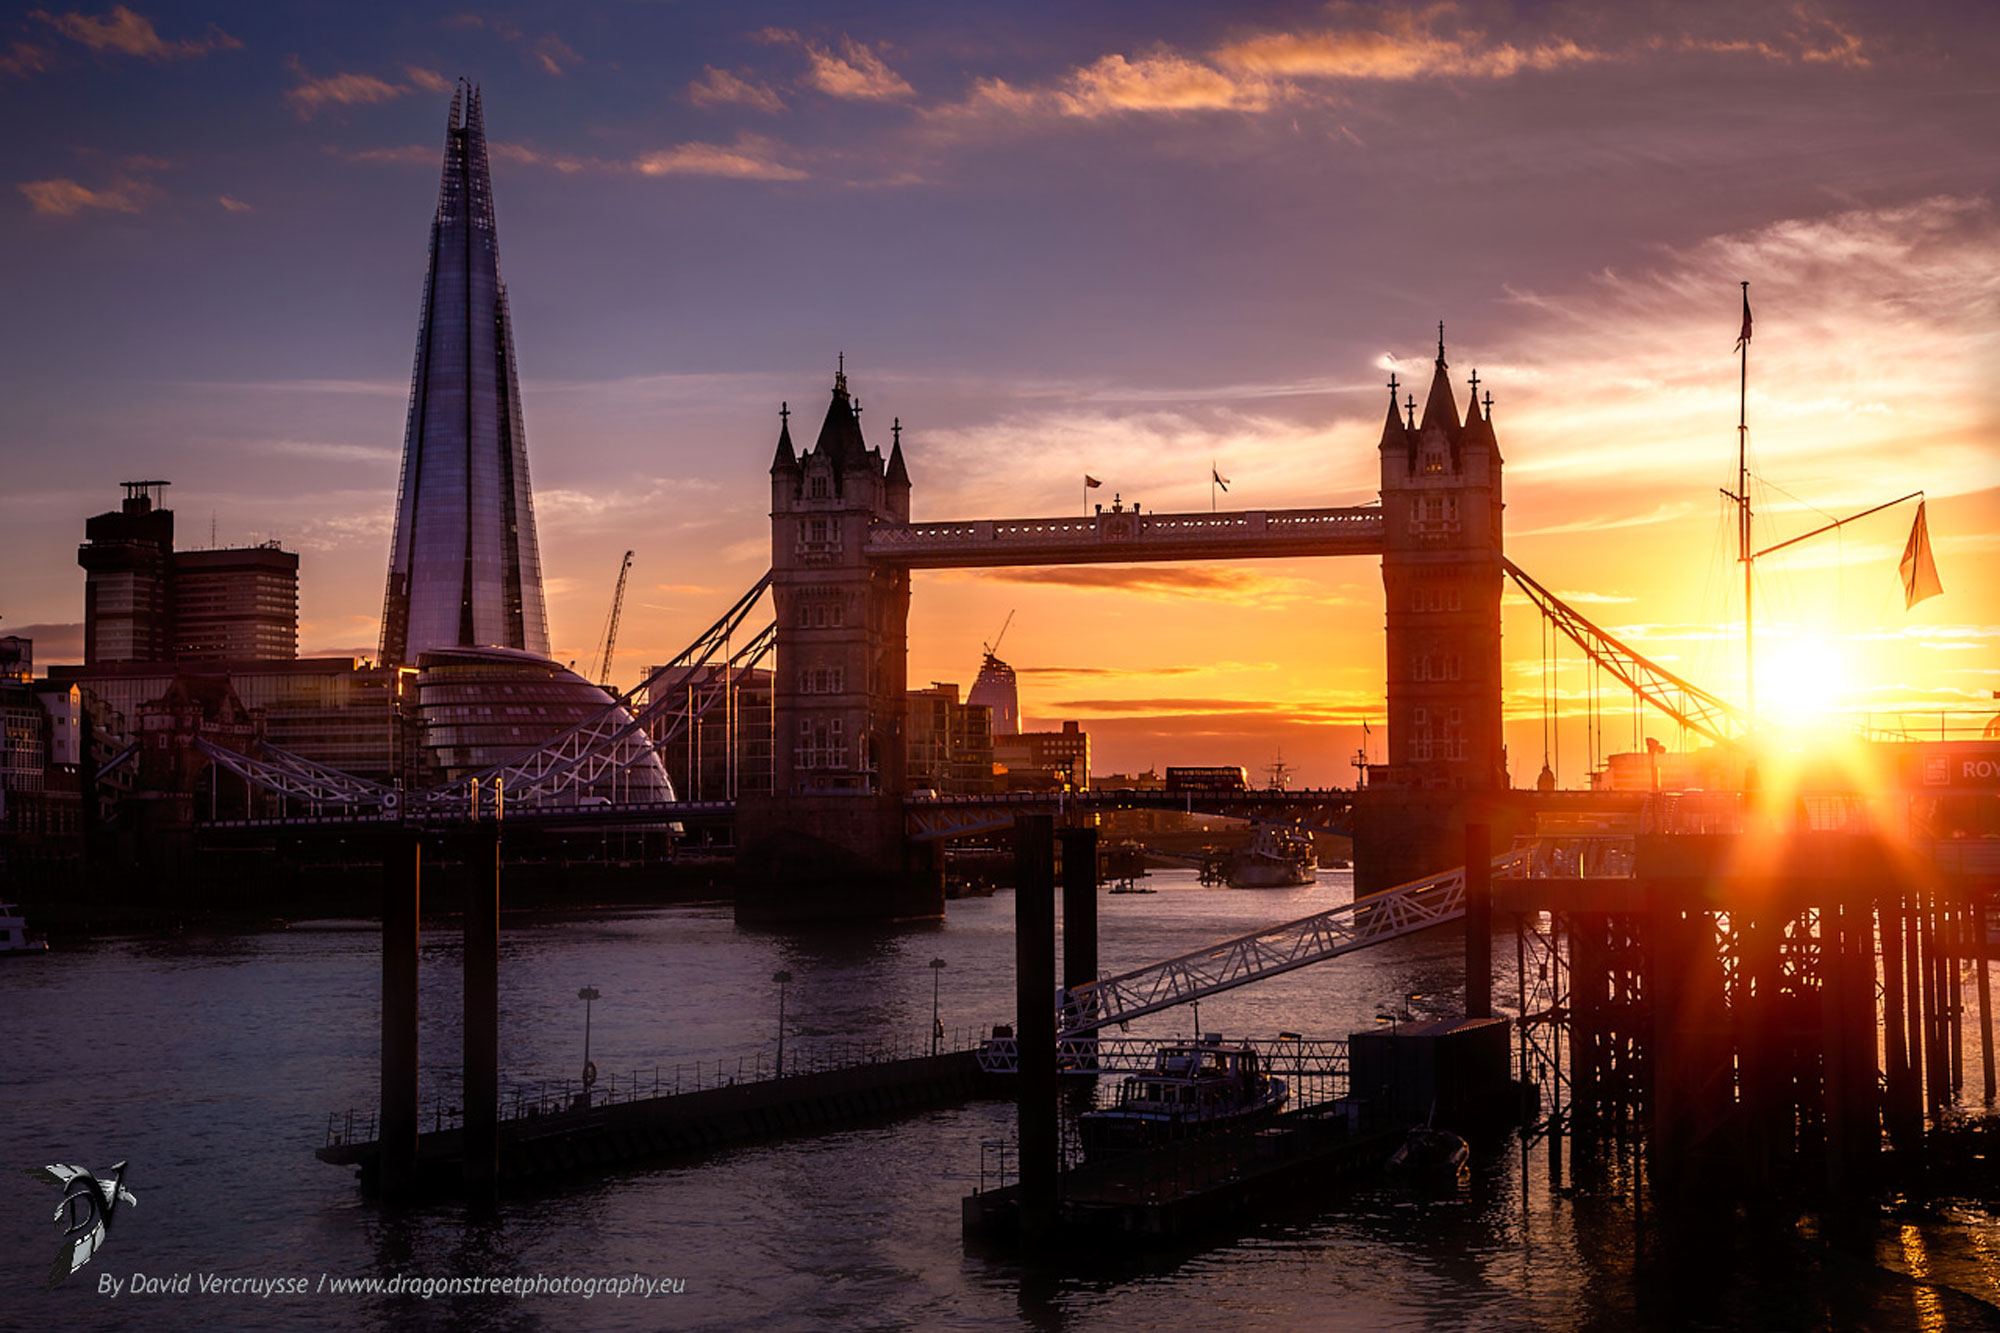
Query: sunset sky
pixel 1122 239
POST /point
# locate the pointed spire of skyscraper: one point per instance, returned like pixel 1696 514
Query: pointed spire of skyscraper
pixel 464 568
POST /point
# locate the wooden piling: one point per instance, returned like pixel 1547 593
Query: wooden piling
pixel 1478 921
pixel 402 870
pixel 1954 971
pixel 1903 1055
pixel 1980 951
pixel 1079 905
pixel 1035 1024
pixel 481 1093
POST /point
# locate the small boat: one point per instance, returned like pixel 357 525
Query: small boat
pixel 1127 886
pixel 1431 1156
pixel 1193 1088
pixel 1278 857
pixel 14 937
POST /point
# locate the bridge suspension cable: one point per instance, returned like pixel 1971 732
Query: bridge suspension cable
pixel 1688 704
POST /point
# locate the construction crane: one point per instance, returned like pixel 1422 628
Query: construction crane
pixel 994 647
pixel 611 625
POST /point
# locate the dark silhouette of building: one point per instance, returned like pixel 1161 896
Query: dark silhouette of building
pixel 236 605
pixel 726 750
pixel 997 690
pixel 950 743
pixel 1441 576
pixel 127 557
pixel 464 568
pixel 143 601
pixel 839 706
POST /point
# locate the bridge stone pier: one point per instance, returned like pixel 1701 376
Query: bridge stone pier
pixel 828 841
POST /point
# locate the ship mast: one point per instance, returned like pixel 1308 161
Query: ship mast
pixel 1745 553
pixel 1748 555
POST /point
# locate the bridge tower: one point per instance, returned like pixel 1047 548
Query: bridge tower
pixel 843 623
pixel 829 840
pixel 1441 580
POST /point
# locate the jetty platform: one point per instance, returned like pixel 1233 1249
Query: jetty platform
pixel 545 1146
pixel 1183 1189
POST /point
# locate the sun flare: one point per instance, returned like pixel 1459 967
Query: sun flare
pixel 1804 682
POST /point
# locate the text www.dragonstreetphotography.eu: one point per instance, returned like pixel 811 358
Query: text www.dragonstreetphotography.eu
pixel 537 1284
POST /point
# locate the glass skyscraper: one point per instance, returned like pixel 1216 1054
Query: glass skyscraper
pixel 464 571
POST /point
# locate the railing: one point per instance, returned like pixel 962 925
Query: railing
pixel 1090 1055
pixel 524 1101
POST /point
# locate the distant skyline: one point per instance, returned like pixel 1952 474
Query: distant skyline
pixel 1133 241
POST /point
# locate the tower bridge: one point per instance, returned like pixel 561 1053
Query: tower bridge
pixel 843 547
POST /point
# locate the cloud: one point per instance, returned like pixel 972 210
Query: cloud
pixel 331 453
pixel 410 154
pixel 749 158
pixel 720 87
pixel 554 55
pixel 1158 83
pixel 66 198
pixel 856 73
pixel 526 156
pixel 311 95
pixel 232 204
pixel 133 34
pixel 1117 672
pixel 427 79
pixel 1402 46
pixel 1110 85
pixel 24 58
pixel 1160 457
pixel 1877 329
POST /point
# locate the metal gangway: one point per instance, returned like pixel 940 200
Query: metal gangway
pixel 1391 914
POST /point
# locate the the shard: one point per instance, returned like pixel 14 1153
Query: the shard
pixel 464 571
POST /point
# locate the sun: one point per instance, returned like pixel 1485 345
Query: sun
pixel 1804 681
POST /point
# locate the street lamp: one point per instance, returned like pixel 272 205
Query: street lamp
pixel 783 979
pixel 937 1024
pixel 587 995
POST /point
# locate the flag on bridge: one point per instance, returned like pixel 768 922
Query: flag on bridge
pixel 1919 571
pixel 1217 477
pixel 1090 483
pixel 1743 338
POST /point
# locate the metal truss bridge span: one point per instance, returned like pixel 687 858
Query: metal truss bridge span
pixel 1127 535
pixel 1286 947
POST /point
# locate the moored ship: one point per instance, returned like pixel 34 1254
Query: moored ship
pixel 14 937
pixel 1278 857
pixel 1194 1087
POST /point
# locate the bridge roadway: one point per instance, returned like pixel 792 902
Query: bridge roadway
pixel 926 818
pixel 1121 534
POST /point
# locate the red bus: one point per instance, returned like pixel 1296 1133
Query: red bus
pixel 1211 779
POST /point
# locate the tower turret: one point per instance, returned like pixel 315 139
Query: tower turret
pixel 1441 577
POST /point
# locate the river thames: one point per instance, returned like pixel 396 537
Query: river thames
pixel 210 1064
